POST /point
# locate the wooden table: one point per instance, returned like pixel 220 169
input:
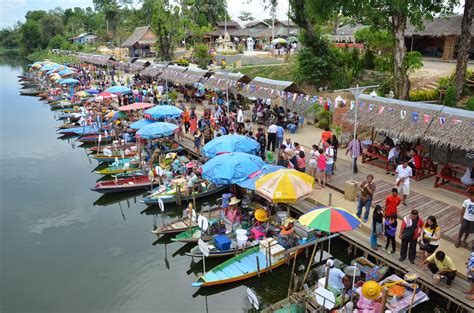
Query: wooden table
pixel 450 174
pixel 376 152
pixel 428 168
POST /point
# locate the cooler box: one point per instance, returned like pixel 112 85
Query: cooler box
pixel 305 232
pixel 222 243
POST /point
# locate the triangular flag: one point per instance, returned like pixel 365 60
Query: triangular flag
pixel 390 110
pixel 455 121
pixel 403 114
pixel 426 118
pixel 442 121
pixel 414 116
pixel 352 105
pixel 371 108
pixel 381 108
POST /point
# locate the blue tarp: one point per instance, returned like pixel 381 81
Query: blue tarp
pixel 249 182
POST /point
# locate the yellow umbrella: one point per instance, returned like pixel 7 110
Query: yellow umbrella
pixel 285 185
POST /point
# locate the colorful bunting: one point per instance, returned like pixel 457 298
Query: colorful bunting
pixel 442 121
pixel 414 116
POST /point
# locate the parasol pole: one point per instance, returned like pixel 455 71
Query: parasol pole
pixel 356 92
pixel 310 261
pixel 353 279
pixel 412 298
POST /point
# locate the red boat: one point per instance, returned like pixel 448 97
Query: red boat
pixel 124 184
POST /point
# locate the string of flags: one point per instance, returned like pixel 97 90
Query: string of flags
pixel 415 116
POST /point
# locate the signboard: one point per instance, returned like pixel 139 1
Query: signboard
pixel 253 298
pixel 203 247
pixel 203 222
pixel 325 298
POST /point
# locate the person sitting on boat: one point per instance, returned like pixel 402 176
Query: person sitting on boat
pixel 193 181
pixel 286 238
pixel 335 277
pixel 232 213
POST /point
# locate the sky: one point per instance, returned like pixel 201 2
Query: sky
pixel 12 11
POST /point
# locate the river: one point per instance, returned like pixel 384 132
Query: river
pixel 60 252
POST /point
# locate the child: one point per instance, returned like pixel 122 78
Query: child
pixel 390 231
pixel 313 160
pixel 320 171
pixel 377 226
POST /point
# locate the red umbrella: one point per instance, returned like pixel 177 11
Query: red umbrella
pixel 136 106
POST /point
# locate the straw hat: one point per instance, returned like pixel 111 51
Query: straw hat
pixel 234 201
pixel 260 215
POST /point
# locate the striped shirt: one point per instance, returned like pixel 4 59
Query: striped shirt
pixel 354 148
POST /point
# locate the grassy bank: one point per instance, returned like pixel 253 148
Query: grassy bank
pixel 277 71
pixel 46 54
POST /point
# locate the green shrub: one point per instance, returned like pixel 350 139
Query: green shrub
pixel 424 95
pixel 470 104
pixel 182 62
pixel 324 119
pixel 450 98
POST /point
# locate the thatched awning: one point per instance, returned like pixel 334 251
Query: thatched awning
pixel 193 75
pixel 225 80
pixel 142 35
pixel 172 73
pixel 96 59
pixel 410 121
pixel 270 88
pixel 153 70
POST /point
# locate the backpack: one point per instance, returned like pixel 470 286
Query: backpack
pixel 261 139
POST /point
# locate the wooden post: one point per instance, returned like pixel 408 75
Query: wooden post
pixel 326 281
pixel 258 266
pixel 384 299
pixel 413 299
pixel 194 198
pixel 310 261
pixel 291 275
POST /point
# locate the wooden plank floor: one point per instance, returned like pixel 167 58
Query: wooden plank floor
pixel 446 215
pixel 361 239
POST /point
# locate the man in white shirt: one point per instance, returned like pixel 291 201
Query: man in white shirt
pixel 240 117
pixel 289 145
pixel 335 276
pixel 392 157
pixel 467 220
pixel 272 136
pixel 404 173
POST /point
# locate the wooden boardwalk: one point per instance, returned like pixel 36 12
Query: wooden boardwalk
pixel 446 215
pixel 361 240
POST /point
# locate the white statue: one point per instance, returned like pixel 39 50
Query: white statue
pixel 250 44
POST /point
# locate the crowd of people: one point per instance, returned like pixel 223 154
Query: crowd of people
pixel 271 127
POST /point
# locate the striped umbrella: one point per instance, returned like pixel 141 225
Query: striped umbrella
pixel 330 219
pixel 284 186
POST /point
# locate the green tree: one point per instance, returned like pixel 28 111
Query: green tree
pixel 30 36
pixel 35 15
pixel 245 16
pixel 56 42
pixel 393 16
pixel 201 53
pixel 164 24
pixel 464 45
pixel 51 25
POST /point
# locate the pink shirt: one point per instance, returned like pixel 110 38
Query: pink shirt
pixel 322 162
pixel 301 162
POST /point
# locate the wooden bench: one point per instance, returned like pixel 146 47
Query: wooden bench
pixel 376 152
pixel 448 174
pixel 429 168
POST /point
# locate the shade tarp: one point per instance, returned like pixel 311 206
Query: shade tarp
pixel 230 143
pixel 225 80
pixel 135 106
pixel 263 87
pixel 249 182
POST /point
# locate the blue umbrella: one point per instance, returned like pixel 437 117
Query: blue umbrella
pixel 141 123
pixel 93 91
pixel 49 67
pixel 249 182
pixel 156 130
pixel 163 111
pixel 119 89
pixel 68 81
pixel 66 72
pixel 230 143
pixel 231 168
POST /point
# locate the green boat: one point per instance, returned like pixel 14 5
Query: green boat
pixel 119 168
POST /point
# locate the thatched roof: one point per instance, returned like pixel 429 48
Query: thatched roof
pixel 438 27
pixel 280 31
pixel 97 59
pixel 270 88
pixel 225 79
pixel 153 70
pixel 230 24
pixel 457 131
pixel 348 30
pixel 173 73
pixel 192 76
pixel 138 36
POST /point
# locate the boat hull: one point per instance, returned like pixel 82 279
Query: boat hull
pixel 172 198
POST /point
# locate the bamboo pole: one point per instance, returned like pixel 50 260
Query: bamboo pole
pixel 412 298
pixel 310 260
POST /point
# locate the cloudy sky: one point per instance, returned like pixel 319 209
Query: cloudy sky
pixel 12 11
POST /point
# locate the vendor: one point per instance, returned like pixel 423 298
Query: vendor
pixel 194 179
pixel 335 277
pixel 232 211
pixel 468 178
pixel 286 238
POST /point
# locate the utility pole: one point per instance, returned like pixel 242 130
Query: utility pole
pixel 356 92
